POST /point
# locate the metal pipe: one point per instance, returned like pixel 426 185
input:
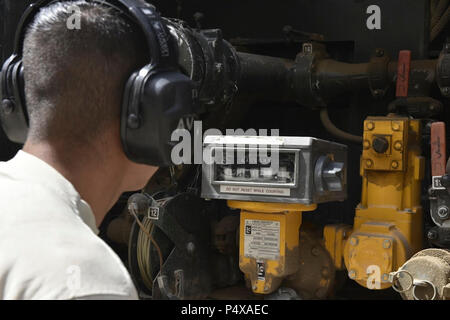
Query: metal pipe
pixel 324 80
pixel 265 77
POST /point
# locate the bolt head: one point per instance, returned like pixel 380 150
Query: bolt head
pixel 432 235
pixel 386 244
pixel 315 251
pixel 443 212
pixel 395 126
pixel 377 93
pixel 190 247
pixel 352 274
pixel 385 277
pixel 366 144
pixel 325 272
pixel 354 241
pixel 379 52
pixel 369 163
pixel 370 125
pixel 398 145
pixel 394 164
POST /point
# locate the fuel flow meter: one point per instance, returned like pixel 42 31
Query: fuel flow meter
pixel 272 180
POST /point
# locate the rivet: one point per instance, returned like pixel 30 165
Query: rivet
pixel 352 274
pixel 369 163
pixel 386 244
pixel 354 241
pixel 394 164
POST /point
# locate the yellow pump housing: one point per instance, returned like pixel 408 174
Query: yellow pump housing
pixel 387 227
pixel 269 242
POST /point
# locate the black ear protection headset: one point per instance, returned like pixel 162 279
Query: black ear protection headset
pixel 156 98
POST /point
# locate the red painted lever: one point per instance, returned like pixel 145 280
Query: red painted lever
pixel 404 66
pixel 438 145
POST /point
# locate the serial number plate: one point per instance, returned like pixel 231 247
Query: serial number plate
pixel 262 239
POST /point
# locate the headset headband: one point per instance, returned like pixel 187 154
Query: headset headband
pixel 140 12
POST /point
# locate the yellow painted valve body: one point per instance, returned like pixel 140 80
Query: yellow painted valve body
pixel 269 242
pixel 388 224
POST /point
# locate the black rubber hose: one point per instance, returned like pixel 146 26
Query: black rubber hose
pixel 440 25
pixel 331 128
pixel 440 8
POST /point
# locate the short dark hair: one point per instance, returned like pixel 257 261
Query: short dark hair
pixel 75 77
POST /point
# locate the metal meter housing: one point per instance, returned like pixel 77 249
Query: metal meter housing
pixel 309 170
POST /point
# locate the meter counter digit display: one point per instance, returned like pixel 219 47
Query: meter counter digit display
pixel 286 169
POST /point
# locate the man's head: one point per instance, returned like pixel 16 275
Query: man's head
pixel 77 57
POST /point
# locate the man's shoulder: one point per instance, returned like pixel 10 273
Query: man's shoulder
pixel 67 264
pixel 92 268
pixel 48 252
pixel 47 242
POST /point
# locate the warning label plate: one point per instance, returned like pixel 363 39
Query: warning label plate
pixel 262 239
pixel 284 192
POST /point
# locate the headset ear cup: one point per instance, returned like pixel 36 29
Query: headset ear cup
pixel 13 112
pixel 164 99
pixel 128 119
pixel 19 90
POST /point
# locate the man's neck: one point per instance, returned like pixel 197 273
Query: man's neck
pixel 89 171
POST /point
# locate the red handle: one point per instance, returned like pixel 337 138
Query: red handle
pixel 404 65
pixel 438 145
